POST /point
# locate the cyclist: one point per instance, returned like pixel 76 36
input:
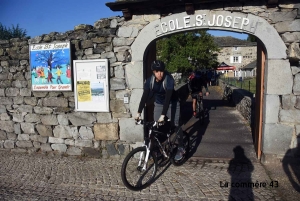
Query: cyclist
pixel 161 85
pixel 196 85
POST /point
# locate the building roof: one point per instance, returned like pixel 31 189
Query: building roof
pixel 250 66
pixel 228 41
pixel 128 7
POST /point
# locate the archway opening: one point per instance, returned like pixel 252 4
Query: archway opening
pixel 250 86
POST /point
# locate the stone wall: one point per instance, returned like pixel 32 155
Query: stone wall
pixel 46 121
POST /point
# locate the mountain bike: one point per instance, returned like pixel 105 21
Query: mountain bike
pixel 227 93
pixel 160 146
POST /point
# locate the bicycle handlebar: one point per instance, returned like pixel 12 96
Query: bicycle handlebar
pixel 153 123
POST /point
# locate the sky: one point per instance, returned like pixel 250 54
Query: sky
pixel 43 17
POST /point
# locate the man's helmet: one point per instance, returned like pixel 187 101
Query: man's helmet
pixel 158 65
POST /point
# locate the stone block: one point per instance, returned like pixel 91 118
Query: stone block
pixel 9 144
pixel 279 77
pixel 24 108
pixel 46 147
pixel 63 119
pixel 27 127
pixel 7 126
pixel 117 84
pixel 25 92
pixel 44 130
pixel 59 147
pixel 131 132
pixel 30 101
pixel 81 118
pixel 111 149
pixel 296 86
pixel 134 101
pixel 5 117
pixel 11 136
pixel 22 137
pixel 62 132
pixel 91 152
pixel 290 116
pixel 49 120
pixel 131 71
pixel 69 142
pixel 74 151
pixel 83 143
pixel 6 101
pixel 17 128
pixel 12 92
pixel 32 118
pixel 56 140
pixel 18 100
pixel 38 138
pixel 3 135
pixel 24 144
pixel 55 102
pixel 272 104
pixel 108 131
pixel 86 133
pixel 43 110
pixel 276 138
pixel 104 117
pixel 288 102
pixel 117 106
pixel 288 26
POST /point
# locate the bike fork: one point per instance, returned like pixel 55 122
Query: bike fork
pixel 146 158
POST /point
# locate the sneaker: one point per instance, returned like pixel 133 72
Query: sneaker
pixel 179 154
pixel 194 114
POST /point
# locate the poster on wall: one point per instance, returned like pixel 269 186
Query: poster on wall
pixel 50 66
pixel 91 85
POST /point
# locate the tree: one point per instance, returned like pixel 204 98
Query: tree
pixel 251 38
pixel 13 32
pixel 50 58
pixel 187 51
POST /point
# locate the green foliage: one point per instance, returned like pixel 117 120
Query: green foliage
pixel 13 32
pixel 187 51
pixel 251 38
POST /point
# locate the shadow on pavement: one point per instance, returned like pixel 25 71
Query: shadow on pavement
pixel 240 169
pixel 291 166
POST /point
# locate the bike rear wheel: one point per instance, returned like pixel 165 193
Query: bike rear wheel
pixel 132 173
pixel 175 145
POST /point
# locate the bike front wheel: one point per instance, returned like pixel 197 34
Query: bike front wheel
pixel 136 175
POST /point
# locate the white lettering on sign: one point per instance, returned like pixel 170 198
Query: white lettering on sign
pixel 214 20
pixel 50 46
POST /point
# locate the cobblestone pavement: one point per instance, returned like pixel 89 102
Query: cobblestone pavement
pixel 41 177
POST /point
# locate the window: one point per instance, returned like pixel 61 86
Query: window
pixel 235 48
pixel 235 59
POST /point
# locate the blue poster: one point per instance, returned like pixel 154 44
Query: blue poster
pixel 50 66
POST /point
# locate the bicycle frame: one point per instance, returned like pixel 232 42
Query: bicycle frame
pixel 152 125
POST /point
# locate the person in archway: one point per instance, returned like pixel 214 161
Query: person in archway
pixel 196 85
pixel 161 85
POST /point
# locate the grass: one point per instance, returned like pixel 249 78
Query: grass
pixel 248 84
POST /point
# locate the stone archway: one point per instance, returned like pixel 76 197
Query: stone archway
pixel 278 78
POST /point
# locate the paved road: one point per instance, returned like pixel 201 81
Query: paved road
pixel 40 177
pixel 223 130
